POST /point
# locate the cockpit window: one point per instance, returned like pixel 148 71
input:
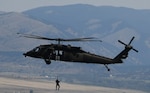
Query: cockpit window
pixel 36 49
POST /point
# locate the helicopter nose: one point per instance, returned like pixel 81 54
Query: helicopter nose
pixel 25 54
pixel 29 54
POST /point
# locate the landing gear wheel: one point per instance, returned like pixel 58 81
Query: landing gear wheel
pixel 47 61
pixel 107 67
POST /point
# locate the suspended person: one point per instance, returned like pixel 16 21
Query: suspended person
pixel 57 84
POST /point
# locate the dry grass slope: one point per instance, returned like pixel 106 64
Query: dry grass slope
pixel 9 85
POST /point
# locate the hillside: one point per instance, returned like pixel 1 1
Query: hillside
pixel 109 24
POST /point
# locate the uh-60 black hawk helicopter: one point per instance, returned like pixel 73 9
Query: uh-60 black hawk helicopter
pixel 70 53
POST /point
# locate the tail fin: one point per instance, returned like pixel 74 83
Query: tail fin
pixel 124 54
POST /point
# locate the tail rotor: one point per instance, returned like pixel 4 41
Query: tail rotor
pixel 129 44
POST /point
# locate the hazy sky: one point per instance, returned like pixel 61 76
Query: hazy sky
pixel 22 5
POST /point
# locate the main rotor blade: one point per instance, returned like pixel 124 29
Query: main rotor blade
pixel 36 37
pixel 59 39
pixel 131 40
pixel 83 39
pixel 78 39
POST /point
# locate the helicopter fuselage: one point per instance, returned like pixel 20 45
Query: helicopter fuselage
pixel 68 53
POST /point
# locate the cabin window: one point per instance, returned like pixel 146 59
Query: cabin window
pixel 60 52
